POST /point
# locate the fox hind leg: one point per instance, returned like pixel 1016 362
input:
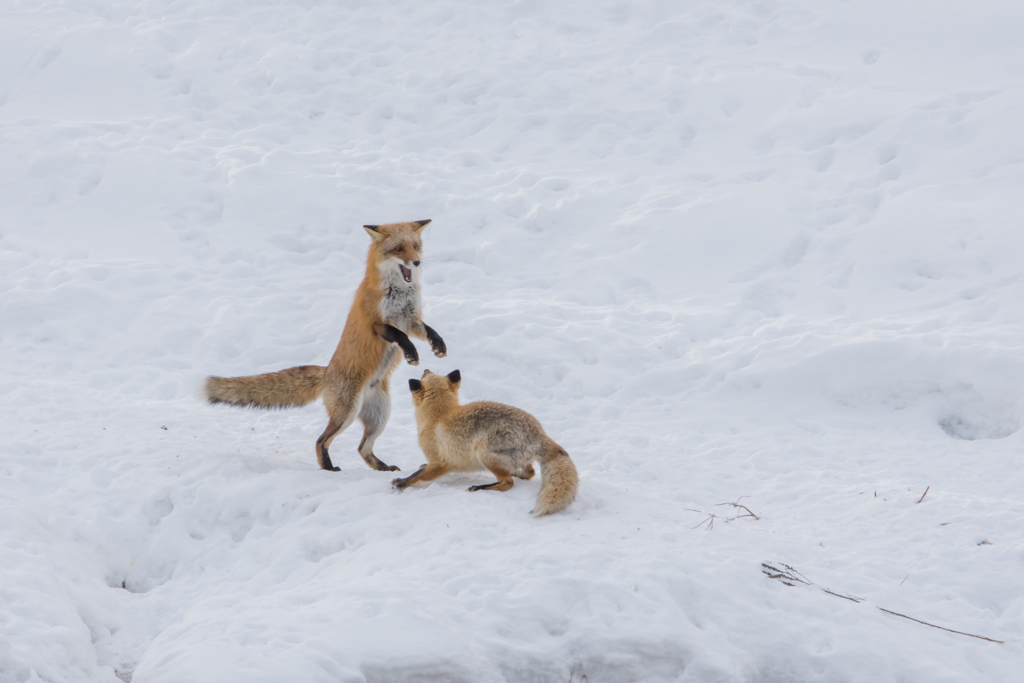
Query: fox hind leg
pixel 374 413
pixel 323 457
pixel 342 413
pixel 495 465
pixel 526 472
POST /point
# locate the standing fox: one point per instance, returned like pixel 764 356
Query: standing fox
pixel 354 384
pixel 503 439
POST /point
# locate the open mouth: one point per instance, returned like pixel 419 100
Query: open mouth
pixel 406 273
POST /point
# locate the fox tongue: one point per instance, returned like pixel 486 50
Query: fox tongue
pixel 406 273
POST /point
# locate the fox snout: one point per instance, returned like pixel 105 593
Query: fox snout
pixel 405 266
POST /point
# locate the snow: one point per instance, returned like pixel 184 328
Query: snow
pixel 755 252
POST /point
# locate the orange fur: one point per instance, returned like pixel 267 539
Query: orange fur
pixel 384 314
pixel 501 438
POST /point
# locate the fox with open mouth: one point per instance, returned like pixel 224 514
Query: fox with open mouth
pixel 385 313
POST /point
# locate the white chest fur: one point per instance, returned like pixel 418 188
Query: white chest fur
pixel 400 303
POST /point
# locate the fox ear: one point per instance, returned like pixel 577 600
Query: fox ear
pixel 372 231
pixel 454 376
pixel 420 225
pixel 415 385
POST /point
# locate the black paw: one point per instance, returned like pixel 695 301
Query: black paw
pixel 333 469
pixel 437 344
pixel 483 487
pixel 376 463
pixel 438 347
pixel 398 484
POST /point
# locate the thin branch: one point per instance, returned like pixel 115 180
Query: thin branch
pixel 793 569
pixel 924 494
pixel 897 614
pixel 851 598
pixel 710 521
pixel 791 577
pixel 786 576
pixel 737 505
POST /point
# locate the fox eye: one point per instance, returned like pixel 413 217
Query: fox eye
pixel 399 249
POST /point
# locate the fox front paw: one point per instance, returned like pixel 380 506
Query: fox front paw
pixel 399 484
pixel 438 347
pixel 437 344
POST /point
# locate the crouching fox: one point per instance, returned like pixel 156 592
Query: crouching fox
pixel 503 439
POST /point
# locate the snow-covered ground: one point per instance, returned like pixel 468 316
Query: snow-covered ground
pixel 726 251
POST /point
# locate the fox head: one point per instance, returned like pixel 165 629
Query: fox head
pixel 435 391
pixel 396 249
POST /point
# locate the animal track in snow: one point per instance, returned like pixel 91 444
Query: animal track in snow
pixel 972 428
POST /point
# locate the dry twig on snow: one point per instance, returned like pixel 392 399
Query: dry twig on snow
pixel 924 494
pixel 943 628
pixel 711 517
pixel 737 505
pixel 785 576
pixel 791 577
pixel 851 598
pixel 710 521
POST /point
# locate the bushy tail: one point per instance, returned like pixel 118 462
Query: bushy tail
pixel 284 389
pixel 559 481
